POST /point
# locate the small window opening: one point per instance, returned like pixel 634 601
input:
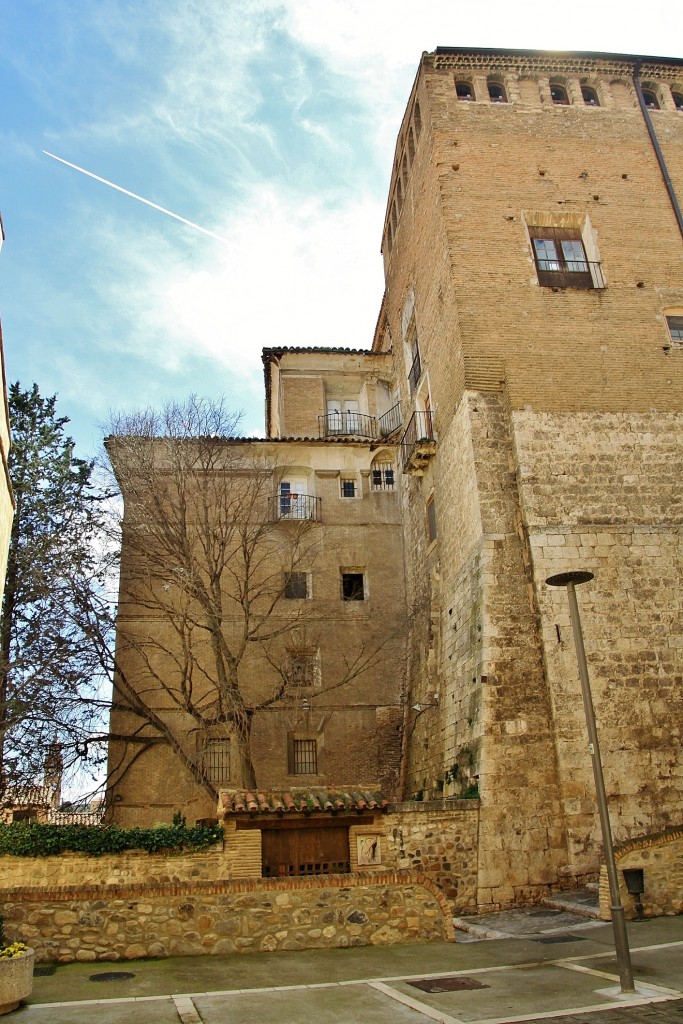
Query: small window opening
pixel 677 97
pixel 352 586
pixel 464 90
pixel 348 487
pixel 431 520
pixel 675 325
pixel 590 96
pixel 650 98
pixel 558 94
pixel 497 93
pixel 296 585
pixel 417 119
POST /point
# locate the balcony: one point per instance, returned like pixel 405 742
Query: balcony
pixel 417 444
pixel 415 372
pixel 570 274
pixel 390 422
pixel 347 424
pixel 295 507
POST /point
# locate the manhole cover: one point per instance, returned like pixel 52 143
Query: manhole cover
pixel 548 939
pixel 112 976
pixel 446 984
pixel 44 970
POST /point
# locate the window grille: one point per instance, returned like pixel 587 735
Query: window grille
pixel 383 476
pixel 216 759
pixel 305 757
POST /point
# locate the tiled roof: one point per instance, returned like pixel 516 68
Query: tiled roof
pixel 243 801
pixel 268 353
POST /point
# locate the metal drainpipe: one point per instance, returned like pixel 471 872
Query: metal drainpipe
pixel 658 152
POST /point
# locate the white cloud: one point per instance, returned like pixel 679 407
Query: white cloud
pixel 295 272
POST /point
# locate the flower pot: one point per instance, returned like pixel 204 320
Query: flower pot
pixel 16 980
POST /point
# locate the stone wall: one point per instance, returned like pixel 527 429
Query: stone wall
pixel 661 858
pixel 191 919
pixel 438 839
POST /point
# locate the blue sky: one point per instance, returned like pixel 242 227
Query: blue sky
pixel 270 123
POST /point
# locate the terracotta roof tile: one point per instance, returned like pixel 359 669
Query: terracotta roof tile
pixel 244 801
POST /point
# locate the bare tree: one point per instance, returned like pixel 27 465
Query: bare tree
pixel 204 639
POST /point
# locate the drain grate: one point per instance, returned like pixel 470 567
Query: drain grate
pixel 44 970
pixel 548 939
pixel 544 913
pixel 434 985
pixel 112 976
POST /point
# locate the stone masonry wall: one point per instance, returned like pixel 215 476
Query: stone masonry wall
pixel 661 858
pixel 191 919
pixel 602 493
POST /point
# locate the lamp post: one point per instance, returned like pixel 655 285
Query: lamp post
pixel 570 581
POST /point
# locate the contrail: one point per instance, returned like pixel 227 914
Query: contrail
pixel 140 199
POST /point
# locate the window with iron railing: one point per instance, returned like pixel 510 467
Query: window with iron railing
pixel 561 260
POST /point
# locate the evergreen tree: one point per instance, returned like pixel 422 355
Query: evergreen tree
pixel 50 666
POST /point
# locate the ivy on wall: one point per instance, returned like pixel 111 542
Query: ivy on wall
pixel 31 839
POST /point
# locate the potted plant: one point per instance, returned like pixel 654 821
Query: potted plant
pixel 16 972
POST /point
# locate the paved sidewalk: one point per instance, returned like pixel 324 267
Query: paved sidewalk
pixel 571 979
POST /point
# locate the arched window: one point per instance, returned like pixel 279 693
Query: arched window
pixel 677 97
pixel 558 94
pixel 651 101
pixel 497 92
pixel 464 91
pixel 417 118
pixel 590 96
pixel 411 145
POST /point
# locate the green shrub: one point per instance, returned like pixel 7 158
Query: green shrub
pixel 30 839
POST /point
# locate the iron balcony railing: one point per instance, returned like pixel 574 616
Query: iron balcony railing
pixel 415 371
pixel 390 421
pixel 570 273
pixel 418 435
pixel 354 424
pixel 296 506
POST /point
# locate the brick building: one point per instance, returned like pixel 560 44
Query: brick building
pixel 519 414
pixel 533 252
pixel 323 669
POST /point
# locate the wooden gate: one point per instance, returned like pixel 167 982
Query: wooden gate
pixel 305 851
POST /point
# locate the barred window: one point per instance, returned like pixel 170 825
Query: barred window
pixel 383 476
pixel 216 760
pixel 348 487
pixel 304 757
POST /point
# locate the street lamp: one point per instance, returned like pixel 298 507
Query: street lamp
pixel 570 581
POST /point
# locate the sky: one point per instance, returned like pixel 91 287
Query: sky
pixel 270 124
